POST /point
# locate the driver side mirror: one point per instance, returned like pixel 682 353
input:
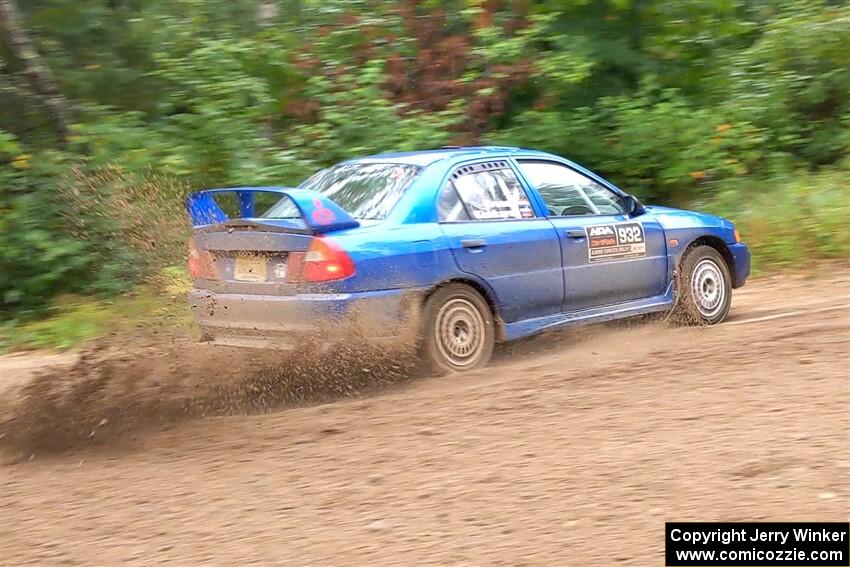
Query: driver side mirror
pixel 633 206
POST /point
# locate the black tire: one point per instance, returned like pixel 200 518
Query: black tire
pixel 458 332
pixel 703 287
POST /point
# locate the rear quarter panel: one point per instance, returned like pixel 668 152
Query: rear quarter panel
pixel 391 256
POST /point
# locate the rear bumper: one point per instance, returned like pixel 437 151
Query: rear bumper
pixel 284 322
pixel 741 268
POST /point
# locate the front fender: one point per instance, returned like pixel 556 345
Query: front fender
pixel 690 225
pixel 685 228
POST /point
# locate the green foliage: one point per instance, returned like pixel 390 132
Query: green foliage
pixel 39 257
pixel 74 319
pixel 655 144
pixel 794 81
pixel 790 221
pixel 64 229
pixel 674 101
pixel 350 107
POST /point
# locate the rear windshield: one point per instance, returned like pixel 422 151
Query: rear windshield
pixel 363 190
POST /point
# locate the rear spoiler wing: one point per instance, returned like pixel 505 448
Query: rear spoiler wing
pixel 319 213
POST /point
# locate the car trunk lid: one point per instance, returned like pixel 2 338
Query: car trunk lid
pixel 239 252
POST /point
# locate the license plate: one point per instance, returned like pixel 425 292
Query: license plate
pixel 251 269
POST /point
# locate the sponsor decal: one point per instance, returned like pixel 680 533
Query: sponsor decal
pixel 607 242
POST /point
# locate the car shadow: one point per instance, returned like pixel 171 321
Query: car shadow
pixel 556 340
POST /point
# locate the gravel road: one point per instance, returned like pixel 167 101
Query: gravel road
pixel 571 449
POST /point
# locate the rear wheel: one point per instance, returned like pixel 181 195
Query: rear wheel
pixel 458 331
pixel 704 287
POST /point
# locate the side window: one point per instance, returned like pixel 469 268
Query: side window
pixel 569 193
pixel 450 209
pixel 607 202
pixel 488 193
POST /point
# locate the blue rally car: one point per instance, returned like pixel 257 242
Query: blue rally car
pixel 451 250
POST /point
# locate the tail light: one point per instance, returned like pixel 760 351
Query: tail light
pixel 201 263
pixel 324 261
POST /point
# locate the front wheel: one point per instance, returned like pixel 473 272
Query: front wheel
pixel 458 331
pixel 704 288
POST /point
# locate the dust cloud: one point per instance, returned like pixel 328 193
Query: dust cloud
pixel 121 387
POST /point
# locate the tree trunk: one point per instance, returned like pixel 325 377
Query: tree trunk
pixel 37 74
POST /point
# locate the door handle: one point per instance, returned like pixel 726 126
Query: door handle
pixel 576 234
pixel 473 243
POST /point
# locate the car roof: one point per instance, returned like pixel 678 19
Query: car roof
pixel 453 153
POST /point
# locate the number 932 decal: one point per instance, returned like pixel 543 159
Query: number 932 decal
pixel 606 242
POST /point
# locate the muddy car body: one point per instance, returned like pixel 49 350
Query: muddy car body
pixel 452 249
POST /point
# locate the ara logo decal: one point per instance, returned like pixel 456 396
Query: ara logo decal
pixel 601 230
